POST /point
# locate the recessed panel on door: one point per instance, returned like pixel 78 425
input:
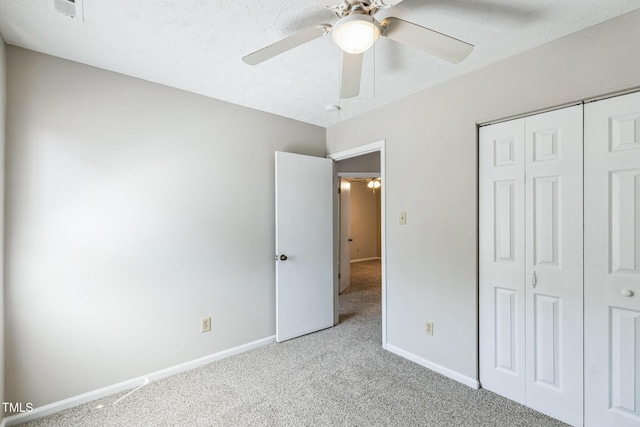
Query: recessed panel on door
pixel 625 130
pixel 506 330
pixel 625 351
pixel 545 220
pixel 545 144
pixel 547 318
pixel 504 151
pixel 503 214
pixel 624 221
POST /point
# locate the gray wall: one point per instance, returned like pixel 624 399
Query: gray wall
pixel 365 163
pixel 431 173
pixel 133 210
pixel 3 104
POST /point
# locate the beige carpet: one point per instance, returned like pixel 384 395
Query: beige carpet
pixel 337 377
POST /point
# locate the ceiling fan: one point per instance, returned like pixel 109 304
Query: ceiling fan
pixel 357 30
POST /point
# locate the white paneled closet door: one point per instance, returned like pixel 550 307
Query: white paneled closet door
pixel 502 259
pixel 554 264
pixel 612 262
pixel 531 291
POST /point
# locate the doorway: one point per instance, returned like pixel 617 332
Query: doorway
pixel 357 163
pixel 359 224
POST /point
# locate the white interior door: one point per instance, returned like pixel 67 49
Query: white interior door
pixel 612 262
pixel 344 279
pixel 305 262
pixel 554 264
pixel 502 259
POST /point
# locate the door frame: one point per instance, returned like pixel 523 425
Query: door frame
pixel 356 152
pixel 344 225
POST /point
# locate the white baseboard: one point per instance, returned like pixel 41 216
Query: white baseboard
pixel 468 381
pixel 80 399
pixel 365 259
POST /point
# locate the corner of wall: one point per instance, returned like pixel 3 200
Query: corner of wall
pixel 3 109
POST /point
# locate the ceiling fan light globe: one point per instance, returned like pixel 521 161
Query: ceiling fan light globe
pixel 355 34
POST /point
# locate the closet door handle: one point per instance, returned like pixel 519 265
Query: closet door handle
pixel 534 279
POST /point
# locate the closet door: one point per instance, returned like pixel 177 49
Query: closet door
pixel 554 264
pixel 502 260
pixel 612 262
pixel 531 262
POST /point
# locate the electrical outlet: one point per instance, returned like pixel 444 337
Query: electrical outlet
pixel 205 324
pixel 428 328
pixel 403 218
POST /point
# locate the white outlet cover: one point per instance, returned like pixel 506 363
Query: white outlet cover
pixel 428 328
pixel 205 324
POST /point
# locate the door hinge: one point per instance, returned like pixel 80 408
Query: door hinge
pixel 339 190
pixel 338 275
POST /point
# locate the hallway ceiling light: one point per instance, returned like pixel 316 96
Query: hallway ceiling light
pixel 374 183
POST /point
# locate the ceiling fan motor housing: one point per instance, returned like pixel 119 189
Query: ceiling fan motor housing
pixel 357 32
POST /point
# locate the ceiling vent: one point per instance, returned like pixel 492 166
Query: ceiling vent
pixel 70 8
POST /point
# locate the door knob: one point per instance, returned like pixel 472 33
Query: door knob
pixel 534 279
pixel 627 292
pixel 283 258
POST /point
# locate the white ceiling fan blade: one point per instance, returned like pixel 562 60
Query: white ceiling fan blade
pixel 351 75
pixel 432 42
pixel 286 44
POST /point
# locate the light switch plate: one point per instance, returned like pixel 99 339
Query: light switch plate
pixel 403 218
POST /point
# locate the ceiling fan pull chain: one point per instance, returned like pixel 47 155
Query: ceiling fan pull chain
pixel 374 71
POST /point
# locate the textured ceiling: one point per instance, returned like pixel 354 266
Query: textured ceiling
pixel 197 45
